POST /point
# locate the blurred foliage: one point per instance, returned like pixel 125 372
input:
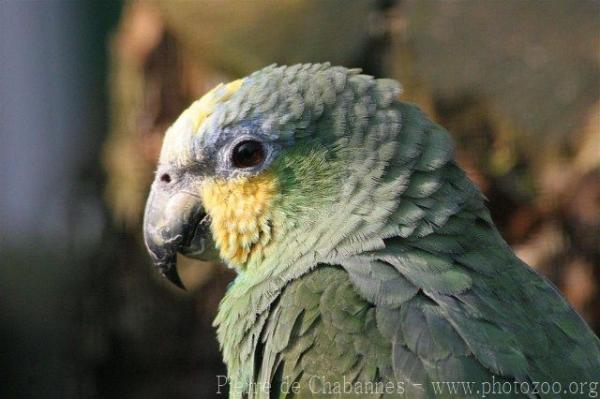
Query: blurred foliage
pixel 241 36
pixel 516 82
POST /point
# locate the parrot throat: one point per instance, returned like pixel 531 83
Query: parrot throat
pixel 241 217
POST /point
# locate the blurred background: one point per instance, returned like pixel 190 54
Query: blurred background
pixel 87 90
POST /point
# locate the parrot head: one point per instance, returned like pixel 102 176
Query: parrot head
pixel 258 159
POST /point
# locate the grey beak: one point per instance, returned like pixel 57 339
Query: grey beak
pixel 171 225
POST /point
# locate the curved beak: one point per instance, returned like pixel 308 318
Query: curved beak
pixel 173 223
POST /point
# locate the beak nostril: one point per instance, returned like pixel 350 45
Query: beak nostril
pixel 165 178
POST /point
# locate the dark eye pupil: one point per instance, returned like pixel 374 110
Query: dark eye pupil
pixel 247 154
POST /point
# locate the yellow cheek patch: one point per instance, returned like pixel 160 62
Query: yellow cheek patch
pixel 241 215
pixel 176 144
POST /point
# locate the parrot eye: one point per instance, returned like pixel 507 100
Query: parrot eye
pixel 247 154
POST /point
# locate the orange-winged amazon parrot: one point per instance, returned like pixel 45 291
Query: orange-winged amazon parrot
pixel 367 263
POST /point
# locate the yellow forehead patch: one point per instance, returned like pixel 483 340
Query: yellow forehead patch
pixel 241 215
pixel 204 107
pixel 176 144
